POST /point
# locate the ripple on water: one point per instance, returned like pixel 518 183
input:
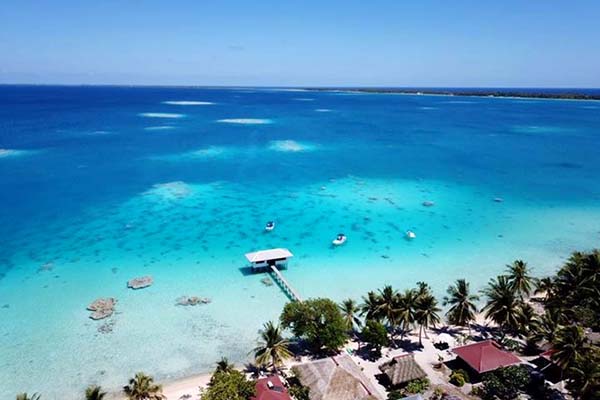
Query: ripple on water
pixel 246 121
pixel 161 115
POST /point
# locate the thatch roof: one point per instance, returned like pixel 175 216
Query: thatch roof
pixel 336 378
pixel 402 369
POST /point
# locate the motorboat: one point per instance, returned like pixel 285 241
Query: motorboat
pixel 340 239
pixel 410 235
pixel 270 226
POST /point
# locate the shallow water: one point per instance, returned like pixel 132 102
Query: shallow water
pixel 97 192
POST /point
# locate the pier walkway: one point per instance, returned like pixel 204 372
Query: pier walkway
pixel 287 288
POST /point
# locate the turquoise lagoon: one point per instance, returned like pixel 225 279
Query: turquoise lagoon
pixel 103 184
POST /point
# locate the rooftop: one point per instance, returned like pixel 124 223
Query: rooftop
pixel 485 356
pixel 273 391
pixel 267 255
pixel 402 369
pixel 336 378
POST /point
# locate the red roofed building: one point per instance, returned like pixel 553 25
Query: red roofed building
pixel 271 388
pixel 485 356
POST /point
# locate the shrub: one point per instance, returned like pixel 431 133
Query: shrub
pixel 375 334
pixel 505 383
pixel 459 377
pixel 417 386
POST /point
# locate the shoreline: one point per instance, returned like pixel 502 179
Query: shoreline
pixel 496 94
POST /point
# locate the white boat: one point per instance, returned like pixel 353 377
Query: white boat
pixel 410 235
pixel 339 240
pixel 270 226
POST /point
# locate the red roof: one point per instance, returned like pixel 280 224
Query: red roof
pixel 548 354
pixel 273 391
pixel 485 356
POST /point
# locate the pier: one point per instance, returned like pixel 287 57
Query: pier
pixel 287 288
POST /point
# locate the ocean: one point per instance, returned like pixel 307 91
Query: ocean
pixel 100 185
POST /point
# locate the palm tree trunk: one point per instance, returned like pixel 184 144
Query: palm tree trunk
pixel 420 331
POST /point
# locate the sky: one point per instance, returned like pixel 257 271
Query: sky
pixel 458 43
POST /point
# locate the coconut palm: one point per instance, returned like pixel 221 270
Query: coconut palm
pixel 520 280
pixel 529 321
pixel 25 396
pixel 405 309
pixel 426 313
pixel 370 306
pixel 272 348
pixel 350 310
pixel 569 346
pixel 502 307
pixel 584 376
pixel 142 387
pixel 94 392
pixel 549 324
pixel 423 289
pixel 544 285
pixel 388 302
pixel 462 304
pixel 223 365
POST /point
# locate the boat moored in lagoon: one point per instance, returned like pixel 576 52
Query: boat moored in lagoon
pixel 270 226
pixel 410 235
pixel 339 240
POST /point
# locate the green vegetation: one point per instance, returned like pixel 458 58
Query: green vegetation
pixel 273 349
pixel 94 392
pixel 142 387
pixel 426 311
pixel 459 377
pixel 417 386
pixel 25 396
pixel 231 385
pixel 375 335
pixel 505 383
pixel 462 304
pixel 223 365
pixel 319 322
pixel 350 312
pixel 299 392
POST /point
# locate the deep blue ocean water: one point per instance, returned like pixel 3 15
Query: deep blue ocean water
pixel 102 184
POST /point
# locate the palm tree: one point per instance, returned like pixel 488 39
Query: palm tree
pixel 94 392
pixel 502 306
pixel 426 313
pixel 520 280
pixel 388 302
pixel 569 346
pixel 548 326
pixel 370 306
pixel 272 348
pixel 405 310
pixel 462 302
pixel 584 377
pixel 223 365
pixel 529 322
pixel 350 310
pixel 25 396
pixel 544 285
pixel 142 387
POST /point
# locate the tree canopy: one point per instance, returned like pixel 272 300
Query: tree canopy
pixel 318 321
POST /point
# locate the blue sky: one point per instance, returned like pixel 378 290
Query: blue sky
pixel 527 43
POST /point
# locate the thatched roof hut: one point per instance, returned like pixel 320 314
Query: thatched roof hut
pixel 402 369
pixel 336 378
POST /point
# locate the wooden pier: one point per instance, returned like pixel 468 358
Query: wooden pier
pixel 287 288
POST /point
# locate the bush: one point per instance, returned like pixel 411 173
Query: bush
pixel 375 334
pixel 299 392
pixel 459 377
pixel 417 386
pixel 505 383
pixel 228 385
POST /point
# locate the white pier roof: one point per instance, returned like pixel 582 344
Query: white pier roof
pixel 266 255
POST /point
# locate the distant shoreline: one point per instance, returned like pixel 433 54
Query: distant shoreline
pixel 516 94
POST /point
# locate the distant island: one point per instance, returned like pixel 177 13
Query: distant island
pixel 567 94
